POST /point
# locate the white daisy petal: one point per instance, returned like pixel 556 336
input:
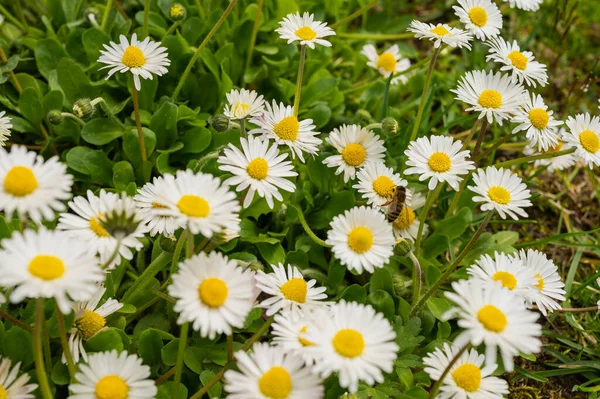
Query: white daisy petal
pixel 538 123
pixel 304 29
pixel 243 103
pixel 481 17
pixel 5 127
pixel 522 64
pixel 441 33
pixel 584 135
pixel 390 61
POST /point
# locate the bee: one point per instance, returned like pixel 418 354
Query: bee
pixel 396 202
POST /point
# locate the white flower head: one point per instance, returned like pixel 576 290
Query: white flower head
pixel 357 148
pixel 407 224
pixel 288 332
pixel 243 103
pixel 12 387
pixel 584 135
pixel 388 62
pixel 539 123
pixel 377 182
pixel 527 5
pixel 441 33
pixel 304 29
pixel 5 127
pixel 557 163
pixel 521 64
pixel 154 210
pixel 481 17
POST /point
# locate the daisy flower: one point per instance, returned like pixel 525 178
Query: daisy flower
pixel 548 287
pixel 289 291
pixel 527 5
pixel 143 58
pixel 377 183
pixel 468 378
pixel 243 103
pixel 258 167
pixel 501 190
pixel 407 224
pixel 357 147
pixel 584 135
pixel 90 319
pixel 441 33
pixel 154 210
pixel 12 387
pixel 524 68
pixel 494 95
pixel 288 332
pixel 305 30
pixel 493 315
pixel 48 264
pixel 388 62
pixel 354 341
pixel 112 375
pixel 32 187
pixel 538 122
pixel 269 372
pixel 213 293
pixel 439 159
pixel 85 225
pixel 279 123
pixel 481 17
pixel 362 239
pixel 557 163
pixel 5 127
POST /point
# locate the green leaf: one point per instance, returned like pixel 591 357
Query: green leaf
pixel 194 359
pixel 455 226
pixel 91 163
pixel 195 140
pixel 101 131
pixel 215 390
pixel 30 105
pixel 432 275
pixel 92 40
pixel 435 245
pixel 53 100
pixel 438 307
pixel 60 374
pixel 355 293
pixel 123 175
pixel 272 253
pixel 382 280
pixel 106 340
pixel 382 302
pixel 169 352
pixel 150 347
pixel 48 53
pixel 18 346
pixel 131 145
pixel 164 124
pixel 73 81
pixel 407 335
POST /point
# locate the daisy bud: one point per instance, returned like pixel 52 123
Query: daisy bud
pixel 55 117
pixel 225 236
pixel 221 123
pixel 177 12
pixel 399 285
pixel 92 14
pixel 83 108
pixel 403 247
pixel 389 127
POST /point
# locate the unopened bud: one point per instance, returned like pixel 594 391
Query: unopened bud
pixel 177 12
pixel 83 108
pixel 92 14
pixel 389 127
pixel 55 117
pixel 400 285
pixel 221 123
pixel 403 246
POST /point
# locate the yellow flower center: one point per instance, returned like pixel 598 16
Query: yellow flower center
pixel 386 61
pixel 360 239
pixel 304 341
pixel 405 219
pixel 440 31
pixel 46 267
pixel 287 128
pixel 540 284
pixel 588 139
pixel 194 206
pixel 306 33
pixel 97 228
pixel 354 154
pixel 499 195
pixel 89 324
pixel 508 280
pixel 240 109
pixel 158 205
pixel 384 186
pixel 349 343
pixel 20 181
pixel 478 16
pixel 492 318
pixel 275 383
pixel 213 292
pixel 295 290
pixel 467 377
pixel 556 148
pixel 539 118
pixel 439 162
pixel 112 387
pixel 258 168
pixel 490 99
pixel 133 57
pixel 518 60
pixel 3 392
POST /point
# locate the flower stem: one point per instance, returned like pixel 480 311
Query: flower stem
pixel 40 368
pixel 416 278
pixel 146 18
pixel 106 13
pixel 299 80
pixel 113 256
pixel 230 347
pixel 189 248
pixel 11 17
pixel 179 363
pixel 60 320
pixel 534 158
pixel 100 101
pixel 12 75
pixel 373 126
pixel 375 36
pixel 14 321
pixel 386 94
pixel 257 17
pixel 73 117
pixel 190 65
pixel 243 128
pixel 176 256
pixel 145 279
pixel 482 131
pixel 355 14
pixel 138 122
pixel 494 147
pixel 470 136
pixel 172 28
pixel 308 230
pixel 417 124
pixel 461 188
pixel 440 381
pixel 428 204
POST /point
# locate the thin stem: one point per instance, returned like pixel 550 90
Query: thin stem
pixel 145 279
pixel 100 101
pixel 496 145
pixel 386 94
pixel 534 158
pixel 13 77
pixel 190 65
pixel 40 368
pixel 13 320
pixel 355 14
pixel 299 79
pixel 461 188
pixel 428 203
pixel 373 126
pixel 440 381
pixel 113 256
pixel 243 128
pixel 416 278
pixel 179 363
pixel 470 136
pixel 146 18
pixel 176 256
pixel 375 36
pixel 138 122
pixel 11 18
pixel 308 230
pixel 230 347
pixel 106 13
pixel 482 130
pixel 165 376
pixel 60 320
pixel 172 28
pixel 19 11
pixel 579 310
pixel 415 130
pixel 69 115
pixel 189 239
pixel 259 8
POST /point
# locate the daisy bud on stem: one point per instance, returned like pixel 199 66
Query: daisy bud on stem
pixel 85 108
pixel 55 117
pixel 177 12
pixel 221 123
pixel 390 127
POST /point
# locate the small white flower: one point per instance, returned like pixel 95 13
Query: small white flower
pixel 243 103
pixel 259 168
pixel 494 95
pixel 501 190
pixel 439 159
pixel 521 63
pixel 538 122
pixel 407 224
pixel 377 182
pixel 154 210
pixel 527 5
pixel 362 239
pixel 584 135
pixel 5 127
pixel 112 375
pixel 140 58
pixel 388 62
pixel 357 148
pixel 12 387
pixel 279 123
pixel 441 33
pixel 305 30
pixel 557 163
pixel 288 332
pixel 481 17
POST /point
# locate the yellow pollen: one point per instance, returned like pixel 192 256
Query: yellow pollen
pixel 492 318
pixel 193 205
pixel 439 162
pixel 360 239
pixel 508 280
pixel 354 154
pixel 440 31
pixel 556 148
pixel 540 284
pixel 490 99
pixel 213 292
pixel 468 377
pixel 20 181
pixel 97 228
pixel 588 139
pixel 158 205
pixel 386 61
pixel 240 109
pixel 384 186
pixel 539 118
pixel 89 324
pixel 3 392
pixel 275 383
pixel 295 290
pixel 112 387
pixel 349 343
pixel 133 57
pixel 405 219
pixel 287 128
pixel 303 341
pixel 258 168
pixel 478 16
pixel 306 33
pixel 499 195
pixel 518 60
pixel 46 267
